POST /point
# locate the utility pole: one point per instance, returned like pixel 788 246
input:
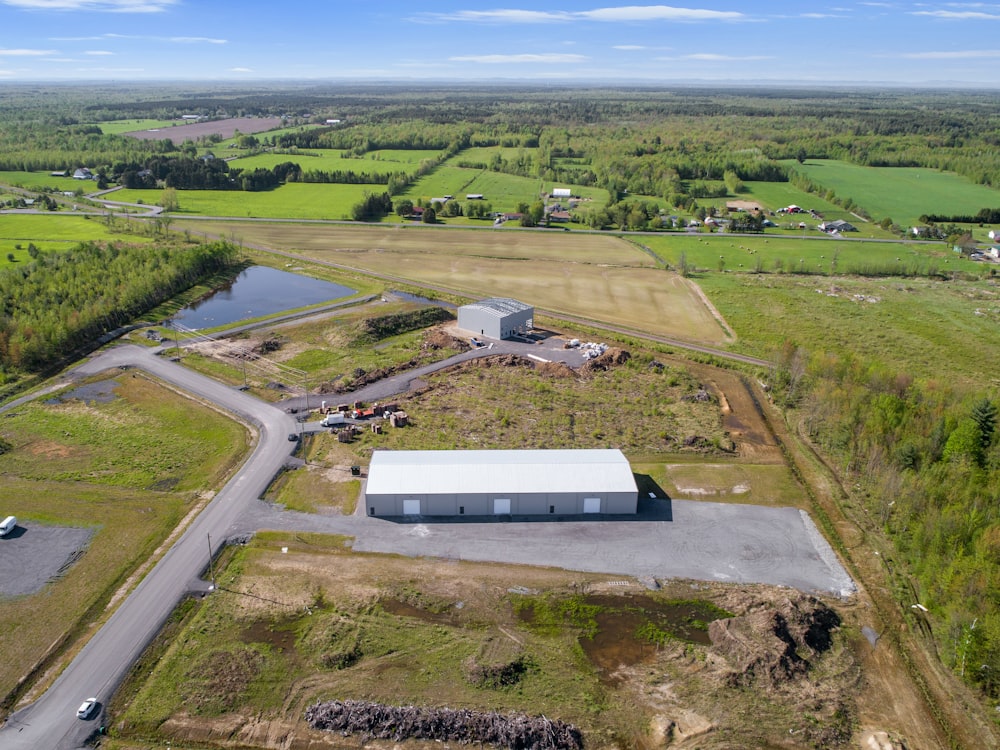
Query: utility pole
pixel 211 566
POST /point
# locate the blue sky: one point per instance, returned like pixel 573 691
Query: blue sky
pixel 907 43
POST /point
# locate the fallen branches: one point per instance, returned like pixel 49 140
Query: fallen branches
pixel 398 723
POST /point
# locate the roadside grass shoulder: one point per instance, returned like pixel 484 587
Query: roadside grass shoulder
pixel 131 505
pixel 901 193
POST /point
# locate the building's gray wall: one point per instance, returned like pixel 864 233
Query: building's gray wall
pixel 483 323
pixel 521 504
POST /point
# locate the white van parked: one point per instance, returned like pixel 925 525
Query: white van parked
pixel 8 525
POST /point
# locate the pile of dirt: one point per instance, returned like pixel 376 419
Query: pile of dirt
pixel 774 644
pixel 613 357
pixel 267 346
pixel 555 369
pixel 398 723
pixel 436 338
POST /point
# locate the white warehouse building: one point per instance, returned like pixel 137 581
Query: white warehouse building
pixel 500 482
pixel 496 318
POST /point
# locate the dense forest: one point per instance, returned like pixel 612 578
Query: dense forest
pixel 61 301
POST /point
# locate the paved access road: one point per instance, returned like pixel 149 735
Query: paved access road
pixel 737 543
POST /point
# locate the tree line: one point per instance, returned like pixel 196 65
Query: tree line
pixel 49 308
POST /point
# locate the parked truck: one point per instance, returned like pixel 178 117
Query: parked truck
pixel 333 418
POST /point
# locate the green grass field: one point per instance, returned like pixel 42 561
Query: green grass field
pixel 130 469
pixel 117 127
pixel 903 194
pixel 292 201
pixel 45 181
pixel 945 331
pixel 324 160
pixel 812 253
pixel 56 231
pixel 483 154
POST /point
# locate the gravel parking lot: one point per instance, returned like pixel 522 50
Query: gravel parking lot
pixel 32 555
pixel 666 539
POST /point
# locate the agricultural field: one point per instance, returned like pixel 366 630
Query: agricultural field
pixel 44 181
pixel 589 275
pixel 326 160
pixel 903 194
pixel 813 254
pixel 50 232
pixel 118 127
pixel 123 457
pixel 291 201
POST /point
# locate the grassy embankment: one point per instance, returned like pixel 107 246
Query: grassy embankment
pixel 130 469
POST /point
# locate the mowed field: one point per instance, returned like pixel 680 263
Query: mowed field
pixel 292 201
pixel 327 160
pixel 594 276
pixel 812 253
pixel 58 231
pixel 45 181
pixel 903 194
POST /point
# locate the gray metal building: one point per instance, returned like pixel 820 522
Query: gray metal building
pixel 496 318
pixel 500 482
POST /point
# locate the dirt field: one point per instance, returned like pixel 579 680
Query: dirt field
pixel 591 276
pixel 196 130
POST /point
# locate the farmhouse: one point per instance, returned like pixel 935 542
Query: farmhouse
pixel 496 318
pixel 500 482
pixel 837 226
pixel 83 174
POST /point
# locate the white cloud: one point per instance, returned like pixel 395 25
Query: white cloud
pixel 241 70
pixel 954 15
pixel 546 57
pixel 628 46
pixel 98 52
pixel 109 6
pixel 712 57
pixel 26 52
pixel 196 40
pixel 6 73
pixel 964 54
pixel 625 13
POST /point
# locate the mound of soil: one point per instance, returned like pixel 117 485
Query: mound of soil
pixel 438 339
pixel 613 357
pixel 555 369
pixel 773 645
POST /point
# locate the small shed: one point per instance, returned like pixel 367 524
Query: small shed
pixel 500 482
pixel 562 193
pixel 496 318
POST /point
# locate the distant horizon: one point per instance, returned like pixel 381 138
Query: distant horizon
pixel 858 43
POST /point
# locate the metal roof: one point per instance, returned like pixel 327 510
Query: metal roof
pixel 498 472
pixel 499 306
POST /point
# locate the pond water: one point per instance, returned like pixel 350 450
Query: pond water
pixel 256 292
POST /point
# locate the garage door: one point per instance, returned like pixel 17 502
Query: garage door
pixel 411 507
pixel 591 505
pixel 501 506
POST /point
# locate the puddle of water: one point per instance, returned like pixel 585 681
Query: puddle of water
pixel 101 392
pixel 424 300
pixel 258 291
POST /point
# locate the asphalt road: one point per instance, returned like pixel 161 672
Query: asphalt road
pixel 738 543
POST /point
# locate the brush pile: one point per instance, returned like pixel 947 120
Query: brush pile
pixel 398 723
